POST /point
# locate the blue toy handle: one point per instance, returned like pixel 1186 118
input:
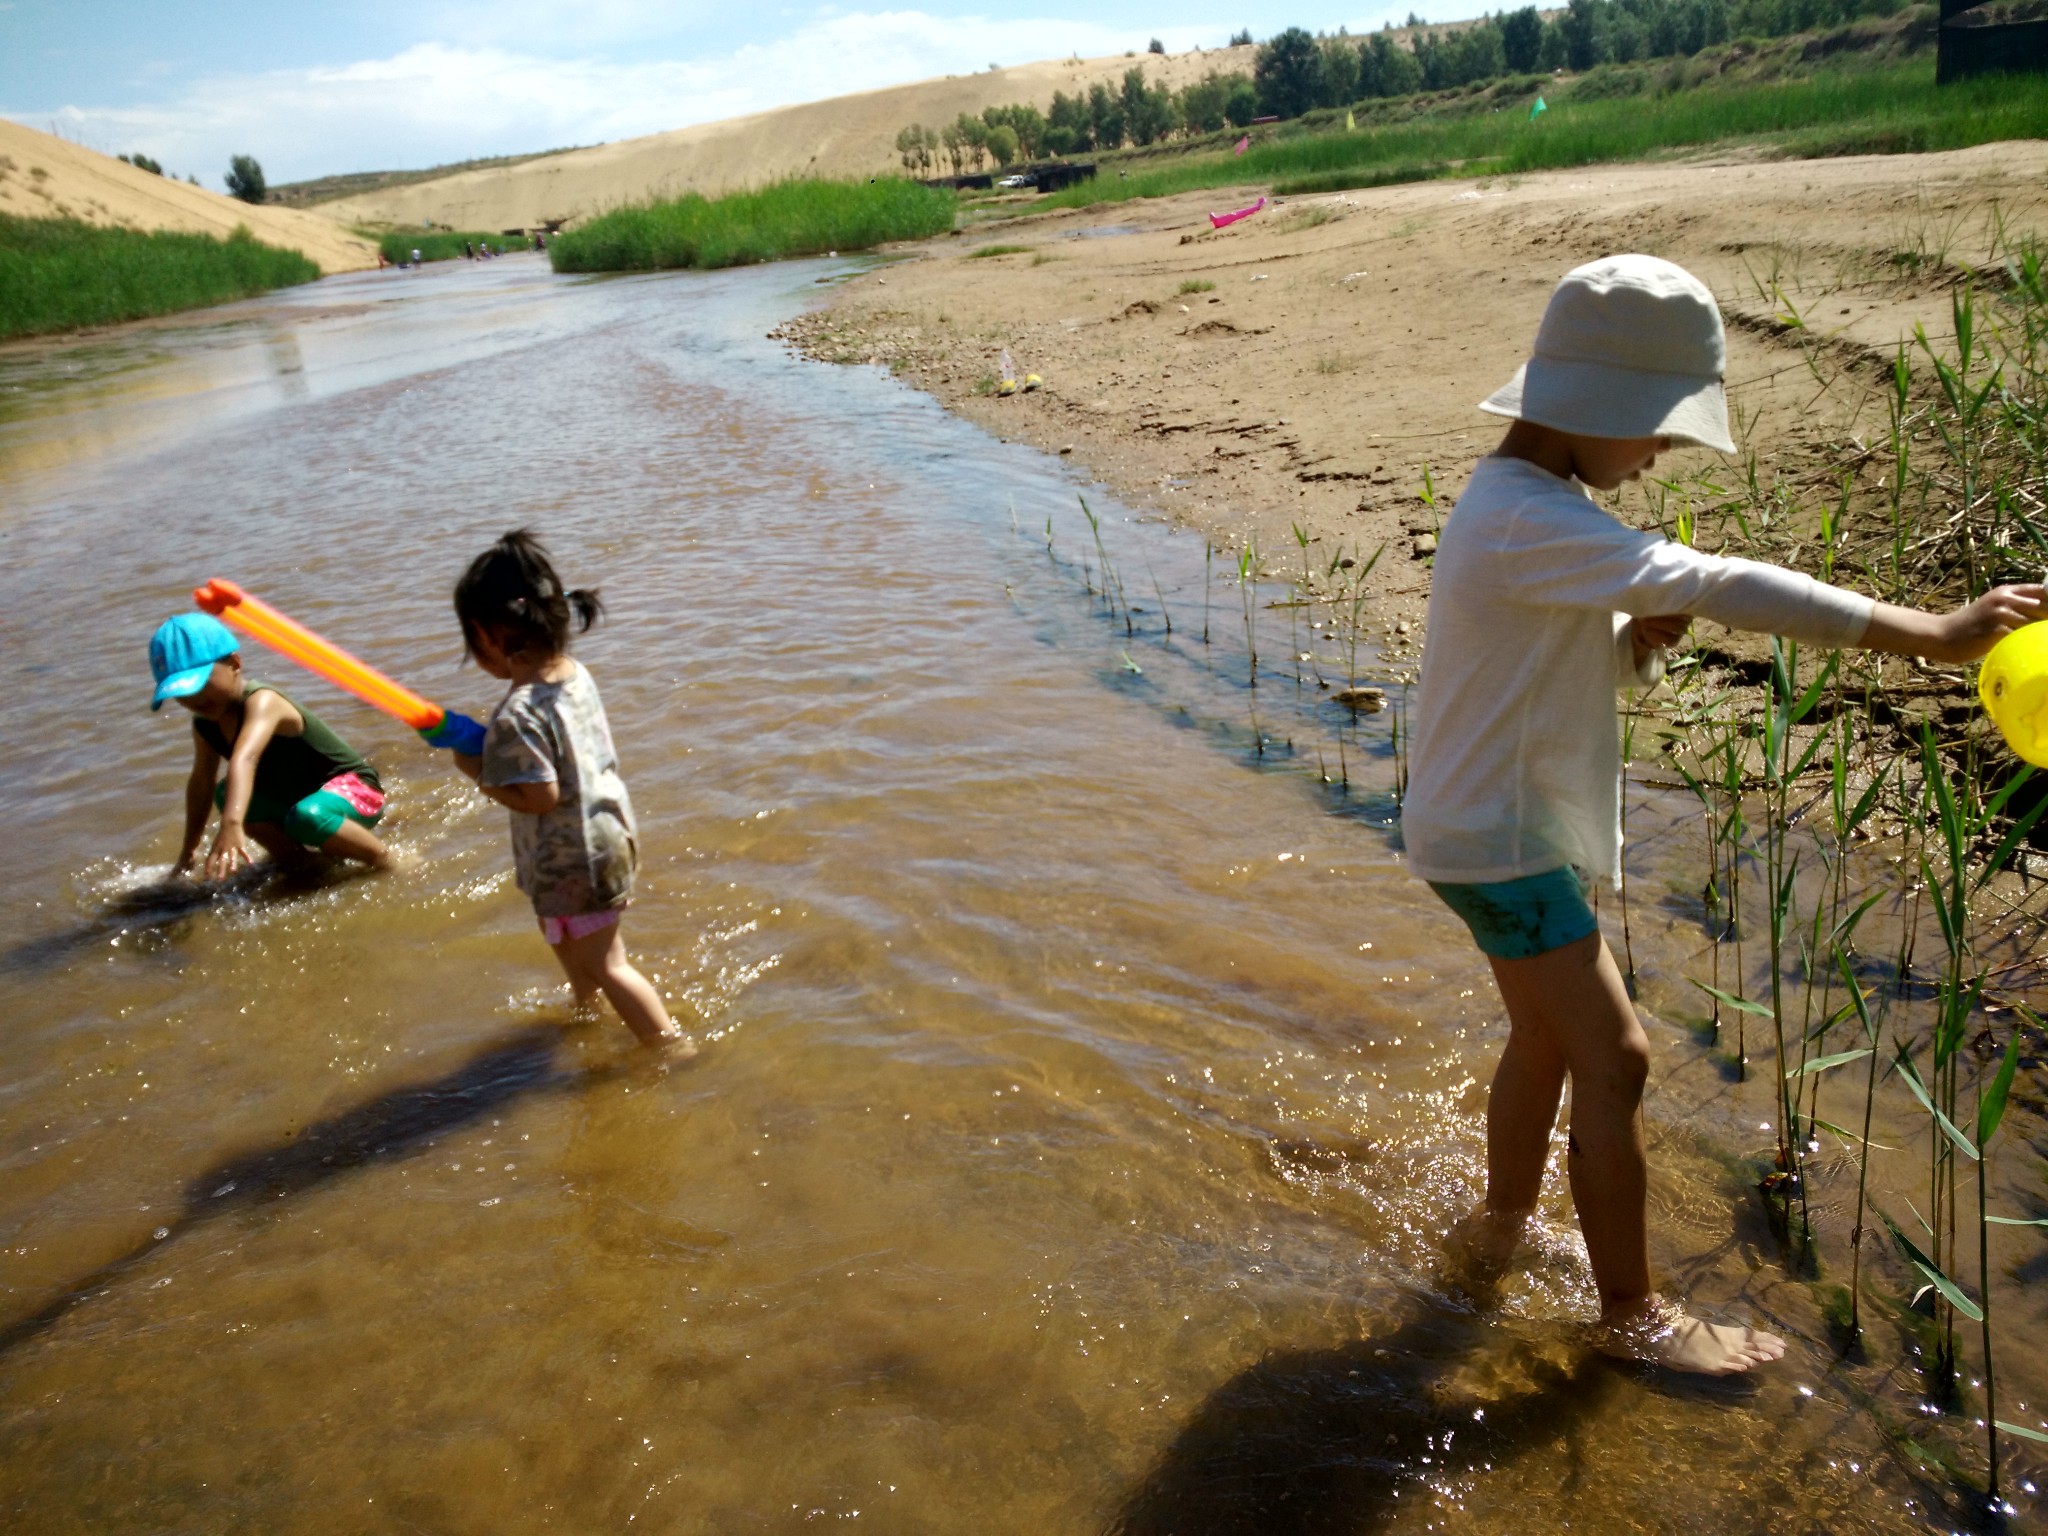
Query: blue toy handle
pixel 457 732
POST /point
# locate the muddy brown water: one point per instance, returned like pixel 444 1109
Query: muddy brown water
pixel 1084 1096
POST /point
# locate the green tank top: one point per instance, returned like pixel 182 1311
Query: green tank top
pixel 292 767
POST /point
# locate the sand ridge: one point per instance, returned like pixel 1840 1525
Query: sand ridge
pixel 846 136
pixel 45 177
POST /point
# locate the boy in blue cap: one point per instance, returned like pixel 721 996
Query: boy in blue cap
pixel 291 782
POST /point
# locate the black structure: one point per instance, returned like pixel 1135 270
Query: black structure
pixel 1973 41
pixel 1044 175
pixel 1051 175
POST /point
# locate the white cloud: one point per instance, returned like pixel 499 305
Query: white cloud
pixel 549 26
pixel 439 102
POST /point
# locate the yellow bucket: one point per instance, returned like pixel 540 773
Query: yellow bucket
pixel 2013 684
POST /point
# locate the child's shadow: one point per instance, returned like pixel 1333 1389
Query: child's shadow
pixel 1331 1440
pixel 151 917
pixel 393 1125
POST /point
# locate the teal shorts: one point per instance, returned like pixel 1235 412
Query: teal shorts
pixel 1519 919
pixel 311 822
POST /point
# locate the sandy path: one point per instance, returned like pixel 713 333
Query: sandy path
pixel 1347 337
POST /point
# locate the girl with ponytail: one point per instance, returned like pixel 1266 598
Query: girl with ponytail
pixel 546 755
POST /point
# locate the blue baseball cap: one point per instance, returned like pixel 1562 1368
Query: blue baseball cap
pixel 182 653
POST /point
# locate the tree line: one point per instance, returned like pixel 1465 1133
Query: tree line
pixel 1297 71
pixel 1103 118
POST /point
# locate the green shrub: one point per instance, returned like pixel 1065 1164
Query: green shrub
pixel 789 218
pixel 1607 82
pixel 1352 180
pixel 996 250
pixel 444 245
pixel 245 179
pixel 59 274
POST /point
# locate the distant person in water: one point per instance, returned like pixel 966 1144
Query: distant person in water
pixel 291 783
pixel 415 256
pixel 547 757
pixel 1542 606
pixel 468 251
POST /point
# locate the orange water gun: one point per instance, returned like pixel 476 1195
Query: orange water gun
pixel 437 726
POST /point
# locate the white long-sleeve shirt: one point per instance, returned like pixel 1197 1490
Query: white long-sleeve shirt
pixel 1515 761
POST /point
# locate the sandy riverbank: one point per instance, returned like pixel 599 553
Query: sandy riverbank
pixel 1346 338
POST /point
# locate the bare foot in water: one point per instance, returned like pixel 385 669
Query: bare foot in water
pixel 1478 1248
pixel 1658 1332
pixel 672 1050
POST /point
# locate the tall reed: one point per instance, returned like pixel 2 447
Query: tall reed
pixel 800 217
pixel 60 274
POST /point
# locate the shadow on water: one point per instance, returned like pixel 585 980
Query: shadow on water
pixel 393 1125
pixel 1334 1440
pixel 149 918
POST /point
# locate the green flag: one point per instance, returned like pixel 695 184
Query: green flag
pixel 1540 106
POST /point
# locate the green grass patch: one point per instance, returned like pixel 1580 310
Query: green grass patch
pixel 1852 109
pixel 59 274
pixel 1196 285
pixel 996 250
pixel 789 218
pixel 1351 180
pixel 443 245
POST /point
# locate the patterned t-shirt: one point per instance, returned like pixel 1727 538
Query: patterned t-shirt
pixel 578 857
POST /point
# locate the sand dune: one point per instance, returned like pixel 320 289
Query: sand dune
pixel 845 136
pixel 45 177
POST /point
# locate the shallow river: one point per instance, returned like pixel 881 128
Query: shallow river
pixel 1082 1100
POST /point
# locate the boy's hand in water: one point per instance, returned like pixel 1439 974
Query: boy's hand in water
pixel 229 853
pixel 1961 636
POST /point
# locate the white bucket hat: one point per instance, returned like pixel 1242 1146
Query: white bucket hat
pixel 1630 346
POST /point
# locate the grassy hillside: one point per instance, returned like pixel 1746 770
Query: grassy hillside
pixel 58 274
pixel 1863 89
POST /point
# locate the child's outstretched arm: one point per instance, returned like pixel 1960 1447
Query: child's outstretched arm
pixel 262 714
pixel 1963 635
pixel 198 800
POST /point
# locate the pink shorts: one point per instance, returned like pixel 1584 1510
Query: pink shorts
pixel 364 798
pixel 559 930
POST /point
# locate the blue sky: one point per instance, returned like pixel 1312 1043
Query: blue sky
pixel 312 88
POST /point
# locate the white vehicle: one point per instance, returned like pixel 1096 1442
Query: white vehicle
pixel 1014 181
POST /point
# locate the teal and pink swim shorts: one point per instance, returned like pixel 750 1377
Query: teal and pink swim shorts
pixel 1519 919
pixel 311 822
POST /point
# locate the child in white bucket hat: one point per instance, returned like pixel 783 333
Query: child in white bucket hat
pixel 1542 606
